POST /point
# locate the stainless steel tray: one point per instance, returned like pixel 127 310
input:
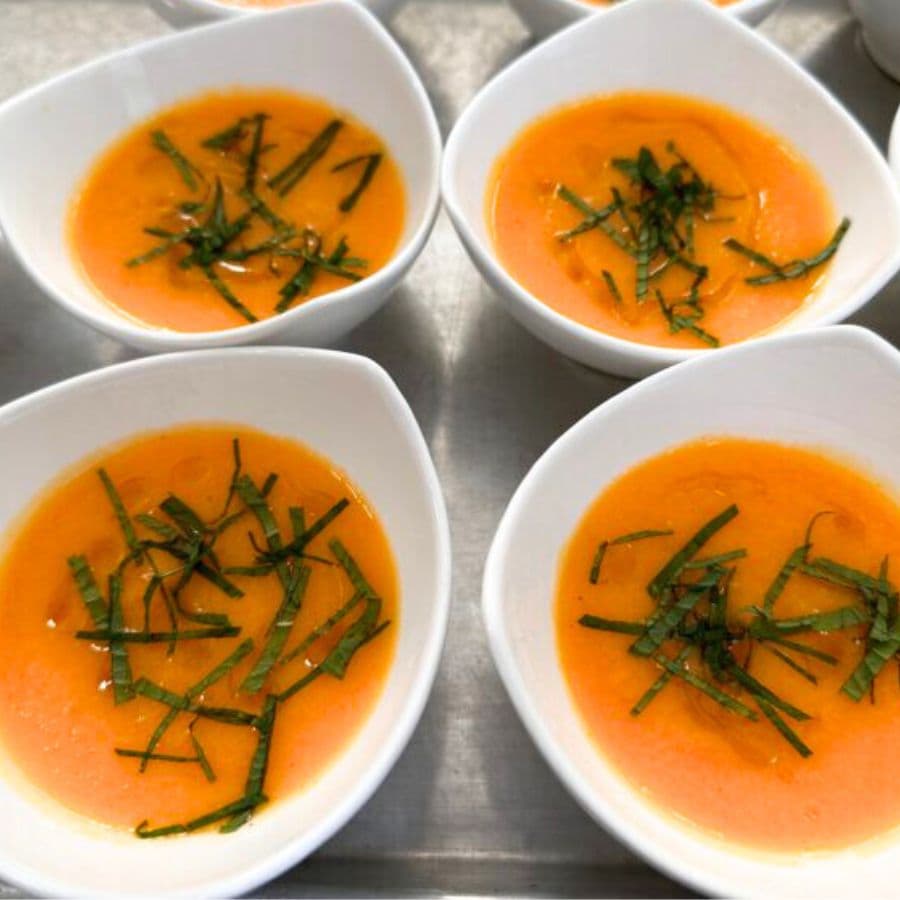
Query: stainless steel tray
pixel 471 809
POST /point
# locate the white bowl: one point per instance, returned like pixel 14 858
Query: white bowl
pixel 326 400
pixel 185 13
pixel 838 389
pixel 543 17
pixel 334 50
pixel 687 47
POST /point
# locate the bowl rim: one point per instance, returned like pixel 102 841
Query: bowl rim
pixel 593 802
pixel 599 342
pixel 415 699
pixel 157 339
pixel 894 147
pixel 222 9
pixel 582 8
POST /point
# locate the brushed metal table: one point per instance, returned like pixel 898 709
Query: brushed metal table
pixel 471 809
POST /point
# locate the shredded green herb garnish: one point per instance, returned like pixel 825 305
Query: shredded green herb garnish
pixel 202 758
pixel 90 593
pixel 674 567
pixel 321 630
pixel 212 243
pixel 197 690
pixel 186 169
pixel 656 226
pixel 281 629
pixel 157 637
pixel 119 664
pixel 162 757
pixel 692 636
pixel 372 162
pixel 797 268
pixel 285 180
pixel 611 284
pixel 169 546
pixel 614 542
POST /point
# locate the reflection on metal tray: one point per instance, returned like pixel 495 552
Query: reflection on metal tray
pixel 471 809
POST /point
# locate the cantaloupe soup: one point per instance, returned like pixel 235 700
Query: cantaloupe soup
pixel 192 625
pixel 661 219
pixel 235 207
pixel 727 625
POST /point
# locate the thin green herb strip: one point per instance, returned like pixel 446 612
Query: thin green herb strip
pixel 675 565
pixel 197 690
pixel 120 666
pixel 90 593
pixel 259 764
pixel 321 630
pixel 157 637
pixel 653 691
pixel 185 168
pixel 279 632
pixel 711 691
pixel 285 180
pixel 202 758
pixel 372 162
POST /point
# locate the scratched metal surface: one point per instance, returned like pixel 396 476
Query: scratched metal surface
pixel 470 809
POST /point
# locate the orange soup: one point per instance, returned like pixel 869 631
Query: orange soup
pixel 727 624
pixel 235 207
pixel 661 219
pixel 206 629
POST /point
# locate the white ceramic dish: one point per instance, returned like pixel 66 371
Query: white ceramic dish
pixel 334 50
pixel 836 388
pixel 326 400
pixel 880 20
pixel 185 13
pixel 687 47
pixel 543 17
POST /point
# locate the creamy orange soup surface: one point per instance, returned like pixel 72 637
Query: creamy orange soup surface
pixel 236 206
pixel 785 739
pixel 661 219
pixel 297 653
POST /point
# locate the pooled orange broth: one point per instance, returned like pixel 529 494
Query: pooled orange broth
pixel 58 722
pixel 134 185
pixel 769 198
pixel 739 780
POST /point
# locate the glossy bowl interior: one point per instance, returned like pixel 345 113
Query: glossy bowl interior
pixel 680 46
pixel 327 401
pixel 543 17
pixel 332 49
pixel 837 389
pixel 185 13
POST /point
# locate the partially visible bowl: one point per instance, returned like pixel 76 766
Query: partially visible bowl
pixel 325 400
pixel 894 147
pixel 880 21
pixel 543 17
pixel 332 49
pixel 678 46
pixel 837 389
pixel 185 13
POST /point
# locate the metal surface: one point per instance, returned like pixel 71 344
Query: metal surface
pixel 471 809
